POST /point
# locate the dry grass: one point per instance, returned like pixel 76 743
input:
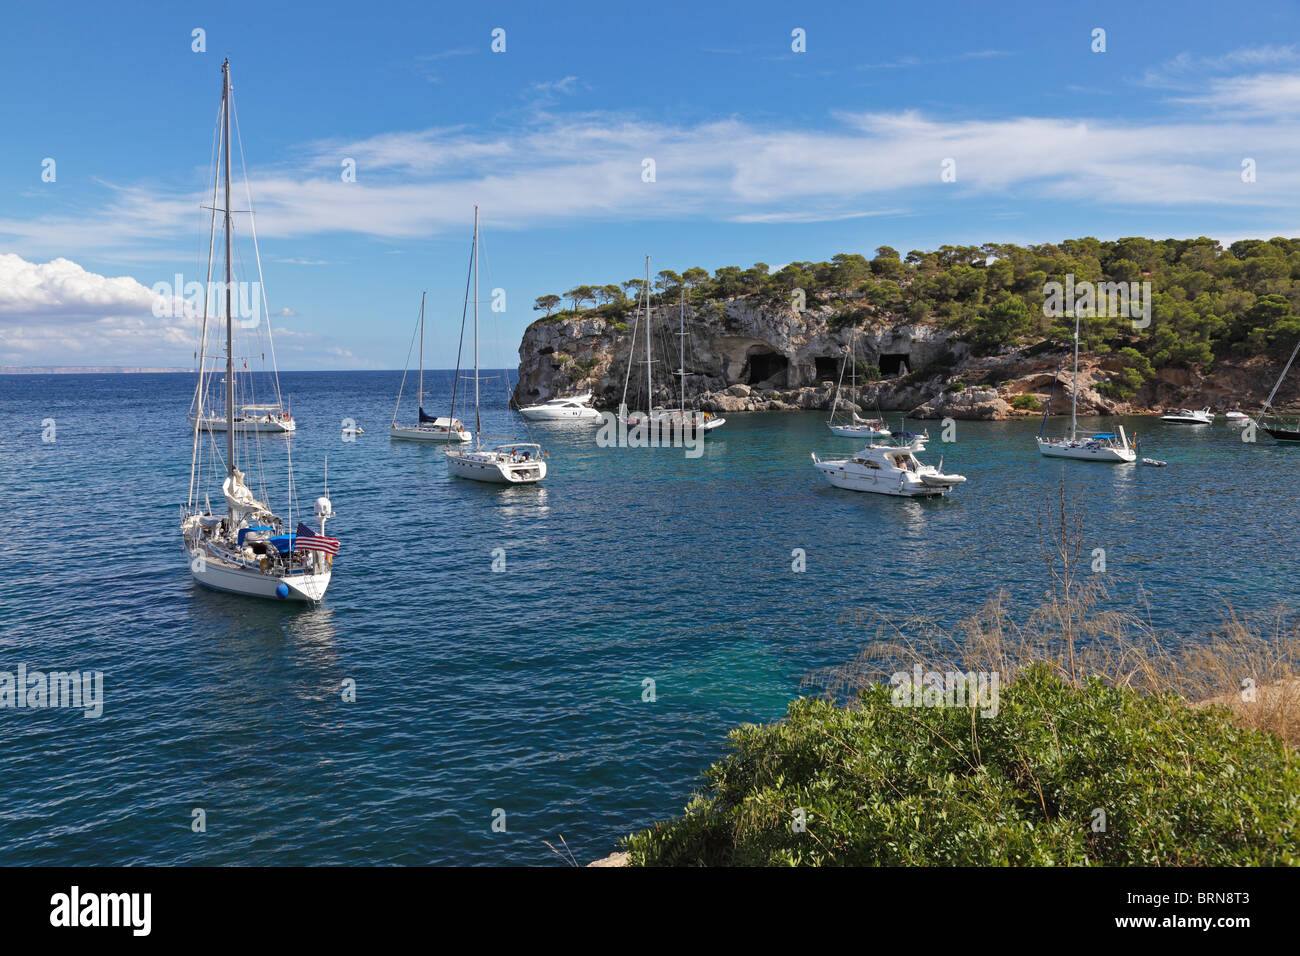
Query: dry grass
pixel 1249 663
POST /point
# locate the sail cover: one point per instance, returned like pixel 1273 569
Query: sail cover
pixel 442 422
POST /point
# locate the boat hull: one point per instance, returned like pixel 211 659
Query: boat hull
pixel 494 469
pixel 1082 452
pixel 219 575
pixel 859 431
pixel 850 477
pixel 1283 434
pixel 436 435
pixel 543 414
pixel 218 425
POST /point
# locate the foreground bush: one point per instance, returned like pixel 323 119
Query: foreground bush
pixel 880 784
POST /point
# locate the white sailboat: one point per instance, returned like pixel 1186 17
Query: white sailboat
pixel 1102 446
pixel 856 426
pixel 267 419
pixel 427 427
pixel 247 550
pixel 514 463
pixel 659 419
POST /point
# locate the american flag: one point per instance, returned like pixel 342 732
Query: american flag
pixel 309 540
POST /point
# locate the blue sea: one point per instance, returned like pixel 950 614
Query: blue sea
pixel 516 694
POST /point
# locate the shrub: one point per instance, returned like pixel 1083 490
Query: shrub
pixel 1027 402
pixel 886 785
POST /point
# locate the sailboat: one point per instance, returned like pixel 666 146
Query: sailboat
pixel 660 419
pixel 426 427
pixel 856 426
pixel 1103 446
pixel 247 550
pixel 515 463
pixel 1282 431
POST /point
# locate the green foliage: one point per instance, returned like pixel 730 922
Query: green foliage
pixel 1027 402
pixel 886 785
pixel 1207 301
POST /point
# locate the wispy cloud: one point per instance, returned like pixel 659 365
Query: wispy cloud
pixel 587 167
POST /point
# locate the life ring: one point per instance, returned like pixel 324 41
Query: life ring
pixel 264 565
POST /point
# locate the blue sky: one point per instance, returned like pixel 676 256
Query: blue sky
pixel 761 153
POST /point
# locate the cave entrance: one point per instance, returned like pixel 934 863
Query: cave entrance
pixel 828 368
pixel 893 364
pixel 766 367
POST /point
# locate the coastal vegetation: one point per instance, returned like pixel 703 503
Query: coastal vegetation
pixel 1095 754
pixel 1207 302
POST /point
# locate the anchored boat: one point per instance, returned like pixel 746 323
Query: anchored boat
pixel 889 470
pixel 660 420
pixel 248 550
pixel 1187 416
pixel 572 408
pixel 514 463
pixel 1102 446
pixel 429 428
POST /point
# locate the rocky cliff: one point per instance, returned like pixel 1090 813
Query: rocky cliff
pixel 749 354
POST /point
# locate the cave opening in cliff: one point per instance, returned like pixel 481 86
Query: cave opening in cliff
pixel 828 368
pixel 893 363
pixel 767 368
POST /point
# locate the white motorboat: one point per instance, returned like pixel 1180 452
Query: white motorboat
pixel 1103 447
pixel 888 470
pixel 267 419
pixel 572 408
pixel 678 420
pixel 513 463
pixel 248 550
pixel 1237 418
pixel 1186 416
pixel 431 428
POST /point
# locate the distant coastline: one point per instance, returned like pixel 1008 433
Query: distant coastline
pixel 84 369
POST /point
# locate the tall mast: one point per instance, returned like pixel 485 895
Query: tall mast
pixel 230 354
pixel 478 430
pixel 681 341
pixel 422 294
pixel 649 382
pixel 1074 388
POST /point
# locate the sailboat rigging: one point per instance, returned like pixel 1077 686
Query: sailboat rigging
pixel 247 550
pixel 1102 446
pixel 514 463
pixel 658 418
pixel 856 426
pixel 431 428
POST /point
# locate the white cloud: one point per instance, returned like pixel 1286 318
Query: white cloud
pixel 586 167
pixel 30 290
pixel 59 313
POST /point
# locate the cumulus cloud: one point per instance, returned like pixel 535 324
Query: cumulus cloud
pixel 60 313
pixel 62 287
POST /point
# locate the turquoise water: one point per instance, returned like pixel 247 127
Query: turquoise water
pixel 520 689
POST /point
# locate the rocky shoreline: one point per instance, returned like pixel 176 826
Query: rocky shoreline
pixel 754 356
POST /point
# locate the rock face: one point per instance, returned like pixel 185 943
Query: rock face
pixel 749 354
pixel 741 356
